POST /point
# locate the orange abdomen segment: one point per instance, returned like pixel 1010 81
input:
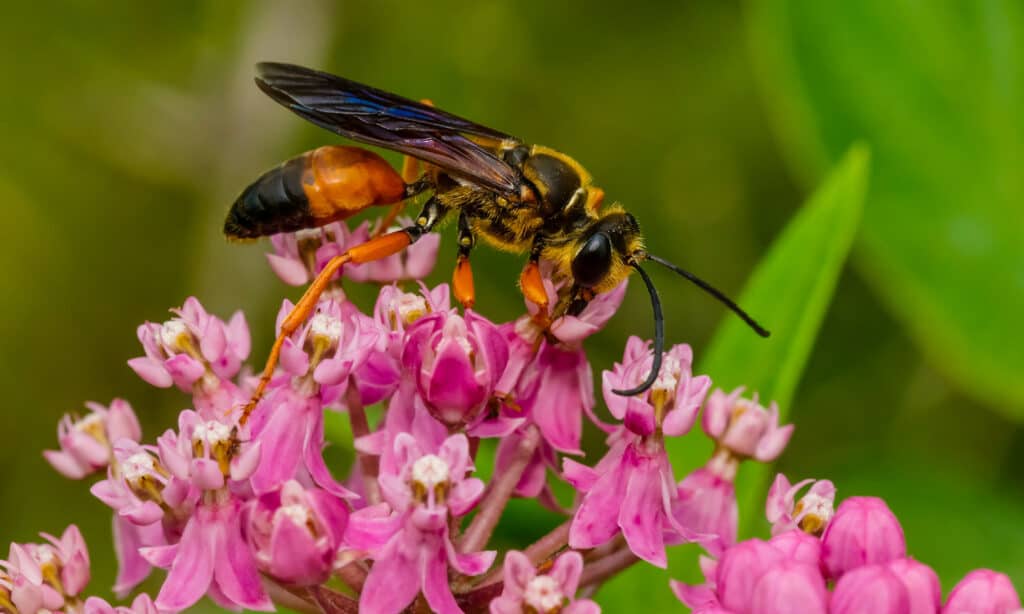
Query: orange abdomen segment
pixel 341 181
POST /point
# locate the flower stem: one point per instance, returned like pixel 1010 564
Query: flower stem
pixel 537 552
pixel 282 596
pixel 600 570
pixel 500 491
pixel 333 602
pixel 368 464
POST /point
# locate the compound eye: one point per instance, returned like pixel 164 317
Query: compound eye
pixel 592 262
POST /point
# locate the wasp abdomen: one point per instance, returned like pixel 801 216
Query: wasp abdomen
pixel 318 187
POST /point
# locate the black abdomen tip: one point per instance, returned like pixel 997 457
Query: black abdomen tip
pixel 274 203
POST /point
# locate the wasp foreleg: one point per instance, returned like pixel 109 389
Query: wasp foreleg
pixel 462 278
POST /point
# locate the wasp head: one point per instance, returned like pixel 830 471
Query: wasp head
pixel 607 251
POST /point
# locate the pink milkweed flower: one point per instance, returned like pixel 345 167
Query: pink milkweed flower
pixel 408 537
pixel 294 533
pixel 317 360
pixel 211 558
pixel 527 591
pixel 811 514
pixel 923 590
pixel 393 313
pixel 138 489
pixel 208 453
pixel 870 589
pixel 185 348
pixel 64 562
pixel 863 531
pixel 744 427
pixel 632 490
pixel 86 442
pixel 670 405
pixel 22 585
pixel 456 362
pixel 143 604
pixel 983 591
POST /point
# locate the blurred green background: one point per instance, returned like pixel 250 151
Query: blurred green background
pixel 128 130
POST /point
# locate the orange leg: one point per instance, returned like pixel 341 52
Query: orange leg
pixel 532 286
pixel 374 249
pixel 462 279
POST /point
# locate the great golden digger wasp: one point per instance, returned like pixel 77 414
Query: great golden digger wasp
pixel 517 197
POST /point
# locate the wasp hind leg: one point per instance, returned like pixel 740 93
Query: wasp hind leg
pixel 376 248
pixel 462 278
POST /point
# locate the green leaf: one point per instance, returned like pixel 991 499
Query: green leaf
pixel 936 90
pixel 789 293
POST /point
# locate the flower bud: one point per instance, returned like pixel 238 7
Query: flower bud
pixel 870 588
pixel 744 427
pixel 790 586
pixel 86 443
pixel 294 533
pixel 863 531
pixel 922 585
pixel 456 362
pixel 983 591
pixel 739 571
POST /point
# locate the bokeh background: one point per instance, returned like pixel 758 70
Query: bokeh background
pixel 129 127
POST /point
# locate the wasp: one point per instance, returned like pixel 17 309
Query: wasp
pixel 512 195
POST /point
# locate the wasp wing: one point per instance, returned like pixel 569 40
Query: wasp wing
pixel 366 114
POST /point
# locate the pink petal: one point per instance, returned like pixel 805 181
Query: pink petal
pixel 566 571
pixel 67 465
pixel 435 584
pixel 234 569
pixel 779 502
pixel 641 517
pixel 464 496
pixel 206 474
pixel 470 564
pixel 773 443
pixel 313 455
pixel 246 463
pixel 582 606
pixel 213 341
pixel 192 569
pixel 291 272
pixel 581 477
pixel 293 359
pixel 281 441
pixel 145 514
pixel 382 594
pixel 132 568
pixel 518 571
pixel 455 452
pixel 151 371
pixel 160 556
pixel 596 520
pixel 371 527
pixel 184 370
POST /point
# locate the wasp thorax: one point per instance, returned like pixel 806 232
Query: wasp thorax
pixel 543 595
pixel 430 475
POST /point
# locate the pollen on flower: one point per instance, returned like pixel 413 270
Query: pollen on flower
pixel 325 326
pixel 543 594
pixel 409 307
pixel 298 514
pixel 816 512
pixel 212 432
pixel 137 466
pixel 430 470
pixel 175 336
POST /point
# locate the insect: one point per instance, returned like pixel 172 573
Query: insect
pixel 512 195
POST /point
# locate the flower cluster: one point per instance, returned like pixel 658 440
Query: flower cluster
pixel 250 514
pixel 840 561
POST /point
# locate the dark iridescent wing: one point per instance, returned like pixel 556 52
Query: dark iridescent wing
pixel 375 117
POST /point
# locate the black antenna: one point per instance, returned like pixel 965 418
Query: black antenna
pixel 712 291
pixel 659 336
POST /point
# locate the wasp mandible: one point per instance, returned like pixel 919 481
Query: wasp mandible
pixel 514 196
